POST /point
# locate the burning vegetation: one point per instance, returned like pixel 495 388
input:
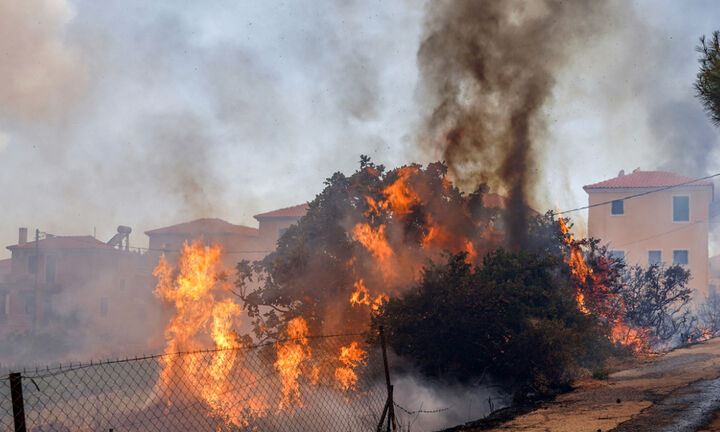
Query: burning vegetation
pixel 408 250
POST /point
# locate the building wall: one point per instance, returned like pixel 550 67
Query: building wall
pixel 647 224
pixel 235 247
pixel 272 228
pixel 101 298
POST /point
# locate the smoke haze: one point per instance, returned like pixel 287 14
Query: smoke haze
pixel 150 114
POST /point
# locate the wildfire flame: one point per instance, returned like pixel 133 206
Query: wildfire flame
pixel 351 356
pixel 206 318
pixel 199 296
pixel 290 355
pixel 361 296
pixel 582 276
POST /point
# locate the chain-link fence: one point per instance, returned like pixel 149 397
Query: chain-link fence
pixel 329 383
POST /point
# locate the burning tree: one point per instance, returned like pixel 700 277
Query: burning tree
pixel 364 239
pixel 513 317
pixel 532 317
pixel 368 249
pixel 367 253
pixel 654 299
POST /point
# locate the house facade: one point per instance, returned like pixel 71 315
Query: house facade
pixel 238 242
pixel 77 285
pixel 98 296
pixel 665 220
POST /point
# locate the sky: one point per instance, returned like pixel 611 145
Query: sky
pixel 153 113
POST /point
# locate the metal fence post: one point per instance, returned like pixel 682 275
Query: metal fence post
pixel 389 409
pixel 16 394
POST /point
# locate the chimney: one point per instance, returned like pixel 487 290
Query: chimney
pixel 22 236
pixel 621 173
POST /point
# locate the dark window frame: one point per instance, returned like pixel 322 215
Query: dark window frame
pixel 675 256
pixel 677 215
pixel 650 260
pixel 613 253
pixel 617 207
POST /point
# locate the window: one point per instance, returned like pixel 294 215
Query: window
pixel 50 269
pixel 654 257
pixel 30 304
pixel 282 231
pixel 3 306
pixel 616 254
pixel 103 306
pixel 617 207
pixel 681 209
pixel 32 264
pixel 681 257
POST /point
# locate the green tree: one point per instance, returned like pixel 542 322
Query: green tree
pixel 514 317
pixel 707 85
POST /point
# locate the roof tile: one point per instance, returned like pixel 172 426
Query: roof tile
pixel 297 211
pixel 206 226
pixel 646 179
pixel 65 242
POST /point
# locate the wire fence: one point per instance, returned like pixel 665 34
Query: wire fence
pixel 330 383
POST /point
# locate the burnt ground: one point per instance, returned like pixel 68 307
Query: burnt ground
pixel 678 391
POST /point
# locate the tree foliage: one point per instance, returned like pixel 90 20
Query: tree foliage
pixel 655 298
pixel 318 261
pixel 707 84
pixel 513 317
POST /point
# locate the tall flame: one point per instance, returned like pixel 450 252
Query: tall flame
pixel 290 355
pixel 203 307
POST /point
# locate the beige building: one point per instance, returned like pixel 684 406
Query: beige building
pixel 669 224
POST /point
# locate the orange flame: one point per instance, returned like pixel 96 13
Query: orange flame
pixel 290 354
pixel 361 296
pixel 351 356
pixel 621 332
pixel 202 308
pixel 400 195
pixel 375 241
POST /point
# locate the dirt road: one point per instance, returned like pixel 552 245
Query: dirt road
pixel 679 391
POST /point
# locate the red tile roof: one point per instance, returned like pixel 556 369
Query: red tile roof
pixel 297 211
pixel 493 200
pixel 646 179
pixel 64 242
pixel 206 226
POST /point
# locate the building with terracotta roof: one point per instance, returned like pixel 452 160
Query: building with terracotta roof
pixel 654 217
pixel 100 293
pixel 274 223
pixel 239 242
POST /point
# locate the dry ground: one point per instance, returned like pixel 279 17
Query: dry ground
pixel 674 392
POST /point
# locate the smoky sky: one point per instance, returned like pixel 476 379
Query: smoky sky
pixel 487 70
pixel 153 113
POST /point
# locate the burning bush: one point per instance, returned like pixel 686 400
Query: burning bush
pixel 364 239
pixel 514 316
pixel 529 312
pixel 654 299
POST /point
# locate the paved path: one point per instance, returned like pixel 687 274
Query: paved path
pixel 679 391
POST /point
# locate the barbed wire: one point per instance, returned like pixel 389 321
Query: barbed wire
pixel 421 411
pixel 59 369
